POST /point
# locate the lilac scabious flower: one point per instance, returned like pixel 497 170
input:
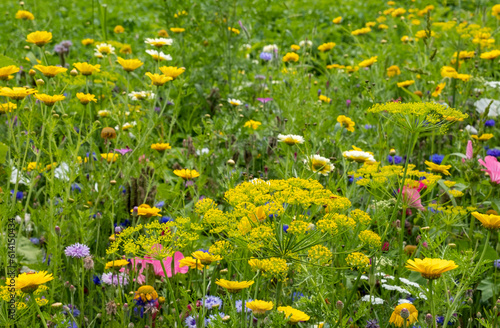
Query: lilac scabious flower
pixel 489 123
pixel 114 279
pixel 372 324
pixel 238 306
pixel 77 251
pixel 212 302
pixel 266 56
pixel 493 152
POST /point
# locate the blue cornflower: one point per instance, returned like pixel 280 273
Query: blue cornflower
pixel 166 219
pixel 35 241
pixel 96 280
pixel 76 187
pixel 160 204
pixel 213 302
pixel 489 123
pixel 19 194
pixel 368 126
pixel 285 227
pixel 297 296
pixel 372 324
pixel 190 322
pixel 493 152
pixel 496 264
pixel 237 304
pixel 436 159
pixel 266 56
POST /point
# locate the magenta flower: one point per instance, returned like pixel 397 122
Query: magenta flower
pixel 157 267
pixel 469 153
pixel 411 198
pixel 492 168
pixel 124 150
pixel 264 100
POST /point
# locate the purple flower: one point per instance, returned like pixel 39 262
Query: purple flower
pixel 264 100
pixel 212 302
pixel 59 49
pixel 368 126
pixel 266 56
pixel 124 150
pixel 496 264
pixel 113 279
pixel 348 103
pixel 190 322
pixel 436 159
pixel 372 324
pixel 238 303
pixel 489 123
pixel 493 152
pixel 260 77
pixel 77 251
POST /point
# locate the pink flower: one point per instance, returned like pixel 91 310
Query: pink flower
pixel 143 158
pixel 157 267
pixel 492 168
pixel 411 198
pixel 469 152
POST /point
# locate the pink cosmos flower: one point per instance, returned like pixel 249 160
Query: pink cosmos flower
pixel 157 267
pixel 492 168
pixel 411 198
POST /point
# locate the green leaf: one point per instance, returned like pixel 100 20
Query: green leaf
pixel 414 96
pixel 4 149
pixel 488 288
pixel 7 61
pixel 27 252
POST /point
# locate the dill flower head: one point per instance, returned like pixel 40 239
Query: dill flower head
pixel 147 211
pixel 129 65
pixel 6 71
pixel 274 268
pixel 419 117
pixel 255 264
pixel 290 139
pixel 358 261
pixel 50 71
pixel 49 100
pixel 205 258
pixel 370 238
pixel 294 316
pixel 161 146
pixel 489 221
pixel 326 46
pixel 40 38
pixel 158 79
pixel 252 124
pixel 234 286
pixel 291 57
pixel 346 122
pixel 259 307
pixel 398 320
pixel 116 264
pixel 145 294
pixel 29 282
pixel 187 174
pixel 319 164
pixel 172 71
pixel 16 93
pixel 430 268
pixel 85 98
pixel 319 254
pixel 77 251
pixel 368 62
pixel 438 168
pixel 86 68
pixel 25 15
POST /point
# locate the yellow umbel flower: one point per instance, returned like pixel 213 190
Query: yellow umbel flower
pixel 405 84
pixel 430 268
pixel 368 62
pixel 483 137
pixel 50 71
pixel 438 168
pixel 161 146
pixel 177 29
pixel 187 174
pixel 346 122
pixel 326 46
pixel 145 294
pixel 16 93
pixel 48 99
pixel 252 124
pixel 205 258
pixel 396 318
pixel 294 316
pixel 358 261
pixel 7 107
pixel 259 307
pixel 172 71
pixel 234 286
pixel 40 38
pixel 86 68
pixel 147 211
pixel 6 71
pixel 24 14
pixel 85 98
pixel 29 282
pixel 116 264
pixel 370 238
pixel 191 263
pixel 129 65
pixel 489 221
pixel 158 79
pixel 291 57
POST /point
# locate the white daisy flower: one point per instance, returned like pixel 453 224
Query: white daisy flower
pixel 234 102
pixel 359 156
pixel 319 164
pixel 158 55
pixel 270 48
pixel 104 49
pixel 159 42
pixel 141 95
pixel 290 139
pixel 305 43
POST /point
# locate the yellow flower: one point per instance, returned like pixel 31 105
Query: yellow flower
pixel 147 211
pixel 483 137
pixel 126 49
pixel 49 100
pixel 393 71
pixel 163 33
pixel 161 146
pixel 7 107
pixel 424 34
pixel 187 174
pixel 129 65
pixel 368 62
pixel 16 93
pixel 324 99
pixel 489 221
pixel 490 54
pixel 234 286
pixel 85 98
pixel 8 70
pixel 86 68
pixel 293 315
pixel 346 122
pixel 295 47
pixel 396 318
pixel 172 71
pixel 86 42
pixel 50 71
pixel 438 89
pixel 29 282
pixel 495 10
pixel 116 264
pixel 430 268
pixel 447 71
pixel 234 30
pixel 177 29
pixel 358 261
pixel 146 294
pixel 40 38
pixel 326 46
pixel 319 164
pixel 463 77
pixel 24 14
pixel 405 84
pixel 252 124
pixel 118 29
pixel 158 79
pixel 337 20
pixel 205 258
pixel 406 38
pixel 102 48
pixel 438 168
pixel 291 56
pixel 398 12
pixel 259 307
pixel 191 263
pixel 110 157
pixel 361 31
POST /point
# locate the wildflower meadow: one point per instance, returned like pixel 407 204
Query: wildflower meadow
pixel 250 163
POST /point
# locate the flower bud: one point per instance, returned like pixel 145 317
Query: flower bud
pixel 131 325
pixel 135 211
pixel 428 318
pixel 57 229
pixel 112 182
pixel 32 72
pixel 392 152
pixel 479 315
pixel 405 314
pixel 226 318
pixel 40 82
pixel 339 305
pixel 72 288
pixel 73 72
pixel 27 47
pixel 56 305
pixel 66 284
pixel 88 263
pixel 223 271
pixel 230 162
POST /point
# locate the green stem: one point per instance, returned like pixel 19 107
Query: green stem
pixel 433 310
pixel 38 310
